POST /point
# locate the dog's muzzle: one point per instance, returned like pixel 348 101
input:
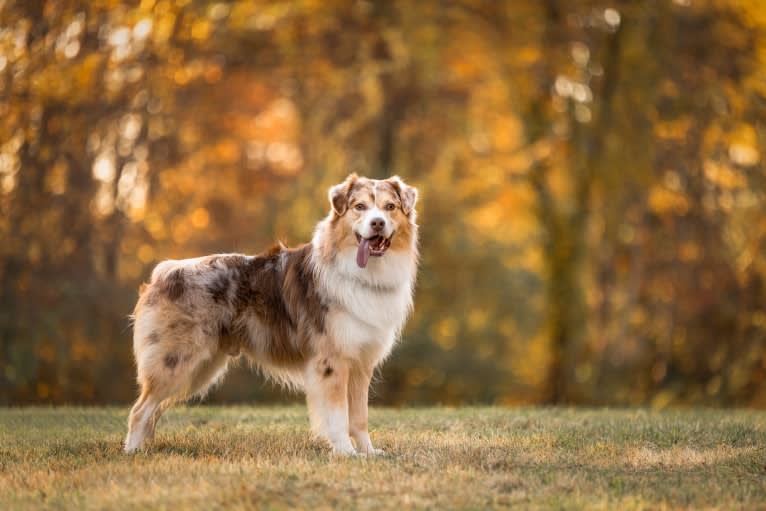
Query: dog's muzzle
pixel 374 246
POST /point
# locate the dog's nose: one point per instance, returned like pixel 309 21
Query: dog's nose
pixel 377 224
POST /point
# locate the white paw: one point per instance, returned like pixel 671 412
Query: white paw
pixel 371 451
pixel 343 452
pixel 133 444
pixel 343 448
pixel 130 449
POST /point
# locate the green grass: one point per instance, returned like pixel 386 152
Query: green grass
pixel 438 458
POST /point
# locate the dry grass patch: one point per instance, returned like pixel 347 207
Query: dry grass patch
pixel 468 458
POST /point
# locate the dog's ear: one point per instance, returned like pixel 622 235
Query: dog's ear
pixel 408 194
pixel 338 194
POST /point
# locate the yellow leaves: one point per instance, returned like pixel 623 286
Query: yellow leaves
pixel 86 71
pixel 262 17
pixel 530 258
pixel 164 24
pixel 527 55
pixel 102 204
pixel 200 30
pixel 688 251
pixel 507 133
pixel 49 83
pixel 227 151
pixel 744 154
pixel 669 88
pixel 189 134
pixel 723 175
pixel 743 149
pixel 584 372
pixel 663 399
pixel 477 320
pixel 731 34
pixel 444 332
pixel 759 320
pixel 155 225
pixel 142 29
pixel 662 201
pixel 530 365
pixel 231 125
pixel 507 328
pixel 181 230
pixel 200 218
pixel 81 348
pixel 146 253
pixel 673 130
pixel 507 218
pixel 212 73
pixel 464 67
pixel 217 12
pixel 56 179
pixel 182 76
pixel 146 5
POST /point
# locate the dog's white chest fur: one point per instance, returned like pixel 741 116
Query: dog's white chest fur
pixel 367 306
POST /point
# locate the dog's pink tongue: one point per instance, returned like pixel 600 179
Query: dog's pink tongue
pixel 363 253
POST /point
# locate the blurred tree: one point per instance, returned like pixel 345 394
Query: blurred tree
pixel 591 176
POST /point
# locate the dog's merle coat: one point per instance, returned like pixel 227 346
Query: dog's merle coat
pixel 307 316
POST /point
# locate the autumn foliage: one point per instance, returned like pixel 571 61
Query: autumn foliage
pixel 591 173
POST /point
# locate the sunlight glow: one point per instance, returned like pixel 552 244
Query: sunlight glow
pixel 103 167
pixel 142 29
pixel 612 17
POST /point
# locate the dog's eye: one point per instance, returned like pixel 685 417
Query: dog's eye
pixel 390 206
pixel 360 207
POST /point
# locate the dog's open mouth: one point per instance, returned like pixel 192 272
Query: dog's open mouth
pixel 376 246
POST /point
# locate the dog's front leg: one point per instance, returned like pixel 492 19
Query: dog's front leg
pixel 358 389
pixel 326 394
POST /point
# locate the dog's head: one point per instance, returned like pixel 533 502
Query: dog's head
pixel 373 215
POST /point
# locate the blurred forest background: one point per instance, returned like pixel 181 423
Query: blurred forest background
pixel 591 172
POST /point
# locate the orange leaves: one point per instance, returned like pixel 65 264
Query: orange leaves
pixel 200 218
pixel 174 128
pixel 723 175
pixel 227 151
pixel 675 129
pixel 662 201
pixel 445 332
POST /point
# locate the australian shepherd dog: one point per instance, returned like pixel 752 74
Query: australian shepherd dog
pixel 320 317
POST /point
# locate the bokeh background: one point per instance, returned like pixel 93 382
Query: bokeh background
pixel 591 174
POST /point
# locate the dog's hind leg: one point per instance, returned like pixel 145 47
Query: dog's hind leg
pixel 207 373
pixel 142 418
pixel 180 377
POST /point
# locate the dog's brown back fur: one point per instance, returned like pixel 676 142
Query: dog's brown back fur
pixel 276 288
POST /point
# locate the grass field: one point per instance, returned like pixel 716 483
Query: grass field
pixel 439 458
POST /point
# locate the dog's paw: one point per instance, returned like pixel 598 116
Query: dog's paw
pixel 344 454
pixel 371 452
pixel 344 451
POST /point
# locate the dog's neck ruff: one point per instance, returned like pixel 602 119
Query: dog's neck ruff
pixel 379 295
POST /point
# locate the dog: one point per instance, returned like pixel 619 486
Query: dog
pixel 320 317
